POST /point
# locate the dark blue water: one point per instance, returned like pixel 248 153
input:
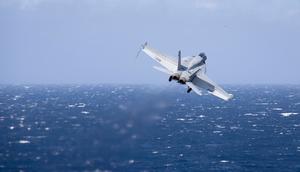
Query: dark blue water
pixel 148 128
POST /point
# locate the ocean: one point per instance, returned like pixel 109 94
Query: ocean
pixel 148 128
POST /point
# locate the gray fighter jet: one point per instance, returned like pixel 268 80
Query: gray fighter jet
pixel 190 71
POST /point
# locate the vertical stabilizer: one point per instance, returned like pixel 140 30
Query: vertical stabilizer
pixel 179 67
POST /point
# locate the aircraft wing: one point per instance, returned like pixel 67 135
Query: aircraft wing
pixel 166 61
pixel 202 81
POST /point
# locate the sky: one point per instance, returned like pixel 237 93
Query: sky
pixel 96 41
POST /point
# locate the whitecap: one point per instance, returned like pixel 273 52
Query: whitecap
pixel 217 131
pixel 251 114
pixel 286 114
pixel 155 152
pixel 71 106
pixel 257 130
pixel 180 119
pixel 17 97
pixel 85 112
pixel 220 126
pixel 234 127
pixel 81 105
pixel 168 165
pixel 277 109
pixel 224 161
pixel 262 103
pixel 24 141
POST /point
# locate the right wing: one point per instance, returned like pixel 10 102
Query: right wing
pixel 166 61
pixel 203 82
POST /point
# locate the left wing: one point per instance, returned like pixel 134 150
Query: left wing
pixel 202 81
pixel 166 61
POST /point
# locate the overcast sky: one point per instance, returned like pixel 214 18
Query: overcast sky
pixel 95 41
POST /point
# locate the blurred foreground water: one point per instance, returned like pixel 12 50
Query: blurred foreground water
pixel 148 128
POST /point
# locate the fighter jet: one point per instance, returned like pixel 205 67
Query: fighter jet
pixel 190 71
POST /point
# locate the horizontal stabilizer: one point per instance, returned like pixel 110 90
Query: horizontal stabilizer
pixel 194 88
